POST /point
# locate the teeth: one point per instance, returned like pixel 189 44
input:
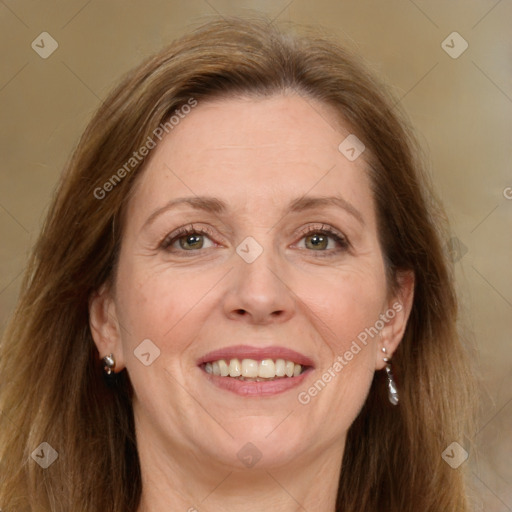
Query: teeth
pixel 280 367
pixel 224 370
pixel 235 368
pixel 250 369
pixel 267 369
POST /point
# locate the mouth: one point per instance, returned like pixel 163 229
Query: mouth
pixel 247 370
pixel 252 370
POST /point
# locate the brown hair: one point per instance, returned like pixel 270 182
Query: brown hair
pixel 52 388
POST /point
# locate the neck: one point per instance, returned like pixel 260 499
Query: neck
pixel 187 482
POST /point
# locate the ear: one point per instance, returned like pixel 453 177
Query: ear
pixel 395 317
pixel 104 325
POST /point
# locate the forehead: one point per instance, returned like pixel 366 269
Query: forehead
pixel 254 151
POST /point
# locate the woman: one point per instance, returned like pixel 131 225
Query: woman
pixel 239 298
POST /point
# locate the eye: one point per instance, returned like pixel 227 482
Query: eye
pixel 323 239
pixel 188 239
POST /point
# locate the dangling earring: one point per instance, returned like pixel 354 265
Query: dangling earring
pixel 392 390
pixel 109 363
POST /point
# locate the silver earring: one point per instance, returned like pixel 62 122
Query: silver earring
pixel 392 389
pixel 109 363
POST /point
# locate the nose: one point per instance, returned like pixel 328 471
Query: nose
pixel 258 292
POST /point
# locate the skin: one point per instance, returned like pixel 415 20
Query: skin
pixel 256 155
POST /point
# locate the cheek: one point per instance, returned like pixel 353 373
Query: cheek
pixel 345 309
pixel 346 304
pixel 156 304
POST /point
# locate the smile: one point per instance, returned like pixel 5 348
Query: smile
pixel 255 371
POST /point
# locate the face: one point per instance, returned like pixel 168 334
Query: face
pixel 250 236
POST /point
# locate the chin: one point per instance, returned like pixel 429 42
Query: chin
pixel 259 444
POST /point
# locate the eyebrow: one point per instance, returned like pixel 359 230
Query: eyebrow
pixel 310 202
pixel 216 206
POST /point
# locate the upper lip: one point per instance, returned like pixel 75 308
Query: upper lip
pixel 256 353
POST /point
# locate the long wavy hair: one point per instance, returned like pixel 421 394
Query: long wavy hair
pixel 52 388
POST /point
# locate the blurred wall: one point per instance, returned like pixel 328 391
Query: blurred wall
pixel 458 97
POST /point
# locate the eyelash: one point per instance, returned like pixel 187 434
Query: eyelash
pixel 322 229
pixel 182 232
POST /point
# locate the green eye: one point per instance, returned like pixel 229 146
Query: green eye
pixel 188 239
pixel 317 241
pixel 323 240
pixel 189 242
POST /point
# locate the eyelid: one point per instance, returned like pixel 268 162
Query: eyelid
pixel 322 227
pixel 170 238
pixel 206 230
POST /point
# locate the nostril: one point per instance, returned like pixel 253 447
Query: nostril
pixel 241 311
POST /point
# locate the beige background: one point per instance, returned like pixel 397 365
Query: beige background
pixel 461 107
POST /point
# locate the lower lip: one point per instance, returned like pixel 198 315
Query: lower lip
pixel 252 388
